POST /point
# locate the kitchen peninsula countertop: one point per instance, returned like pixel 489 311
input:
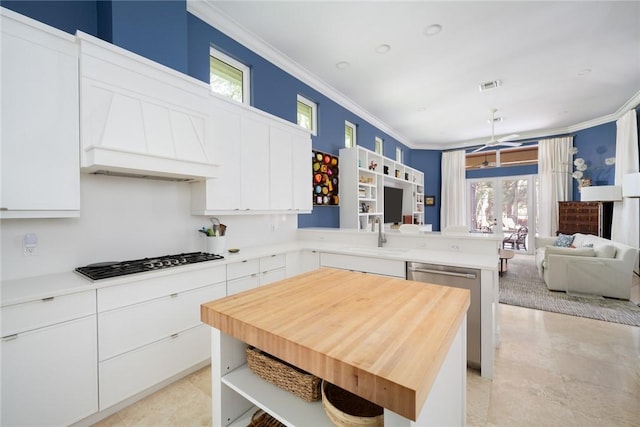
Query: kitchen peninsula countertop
pixel 381 338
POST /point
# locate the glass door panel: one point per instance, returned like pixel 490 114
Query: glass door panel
pixel 482 205
pixel 515 213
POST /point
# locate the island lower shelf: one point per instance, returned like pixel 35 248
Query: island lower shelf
pixel 288 408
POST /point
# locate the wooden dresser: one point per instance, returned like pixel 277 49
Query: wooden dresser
pixel 585 217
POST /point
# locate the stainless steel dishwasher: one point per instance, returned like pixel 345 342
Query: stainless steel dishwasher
pixel 457 277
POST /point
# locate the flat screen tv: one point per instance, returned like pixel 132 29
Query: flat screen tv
pixel 393 205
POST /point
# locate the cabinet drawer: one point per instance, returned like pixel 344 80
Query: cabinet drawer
pixel 243 284
pixel 271 276
pixel 386 267
pixel 272 262
pixel 144 290
pixel 137 325
pixel 245 267
pixel 48 311
pixel 133 372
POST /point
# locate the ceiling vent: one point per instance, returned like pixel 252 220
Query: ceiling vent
pixel 489 85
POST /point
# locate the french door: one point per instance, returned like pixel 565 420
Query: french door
pixel 505 205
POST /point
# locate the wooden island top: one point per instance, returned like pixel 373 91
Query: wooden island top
pixel 379 337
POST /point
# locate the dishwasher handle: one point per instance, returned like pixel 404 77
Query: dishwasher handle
pixel 443 272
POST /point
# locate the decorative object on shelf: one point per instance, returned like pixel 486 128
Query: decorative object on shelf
pixel 287 377
pixel 586 173
pixel 325 179
pixel 429 200
pixel 373 165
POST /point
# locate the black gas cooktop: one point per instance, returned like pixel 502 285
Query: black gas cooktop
pixel 107 270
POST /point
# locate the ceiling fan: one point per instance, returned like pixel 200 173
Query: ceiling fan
pixel 493 142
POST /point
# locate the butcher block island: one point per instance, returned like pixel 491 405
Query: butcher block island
pixel 397 343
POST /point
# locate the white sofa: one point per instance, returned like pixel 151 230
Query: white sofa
pixel 605 268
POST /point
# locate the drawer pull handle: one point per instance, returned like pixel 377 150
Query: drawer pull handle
pixel 10 337
pixel 274 255
pixel 47 299
pixel 174 336
pixel 245 260
pixel 173 295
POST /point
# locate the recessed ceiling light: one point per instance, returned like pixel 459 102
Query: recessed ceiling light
pixel 342 65
pixel 383 48
pixel 584 72
pixel 489 85
pixel 432 30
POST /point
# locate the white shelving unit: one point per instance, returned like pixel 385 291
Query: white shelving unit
pixel 364 174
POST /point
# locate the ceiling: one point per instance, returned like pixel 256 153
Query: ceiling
pixel 563 66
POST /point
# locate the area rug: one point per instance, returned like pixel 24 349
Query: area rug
pixel 522 286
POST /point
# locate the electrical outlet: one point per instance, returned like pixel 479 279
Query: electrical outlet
pixel 455 247
pixel 29 244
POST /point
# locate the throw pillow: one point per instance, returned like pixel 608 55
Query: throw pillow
pixel 563 240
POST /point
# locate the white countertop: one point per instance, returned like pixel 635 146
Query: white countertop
pixel 18 291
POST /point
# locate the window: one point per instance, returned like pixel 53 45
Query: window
pixel 229 77
pixel 527 155
pixel 378 146
pixel 307 114
pixel 398 155
pixel 349 134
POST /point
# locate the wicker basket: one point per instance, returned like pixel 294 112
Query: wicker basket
pixel 262 419
pixel 345 409
pixel 284 375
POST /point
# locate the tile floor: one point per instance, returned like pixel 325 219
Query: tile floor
pixel 550 370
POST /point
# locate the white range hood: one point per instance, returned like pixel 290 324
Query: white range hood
pixel 140 118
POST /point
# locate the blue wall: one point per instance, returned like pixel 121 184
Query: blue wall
pixel 429 162
pixel 67 16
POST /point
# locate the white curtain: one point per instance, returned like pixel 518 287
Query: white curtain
pixel 554 173
pixel 624 226
pixel 454 200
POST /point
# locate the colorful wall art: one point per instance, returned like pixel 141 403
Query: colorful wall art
pixel 325 179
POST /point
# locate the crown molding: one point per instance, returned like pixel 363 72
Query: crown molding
pixel 213 16
pixel 223 23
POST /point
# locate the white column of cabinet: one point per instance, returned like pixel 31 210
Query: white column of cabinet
pixel 150 330
pixel 49 361
pixel 301 261
pixel 39 132
pixel 264 164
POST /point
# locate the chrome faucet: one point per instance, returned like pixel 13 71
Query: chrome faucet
pixel 381 237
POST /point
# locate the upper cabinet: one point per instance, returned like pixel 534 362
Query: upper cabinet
pixel 265 164
pixel 139 117
pixel 39 137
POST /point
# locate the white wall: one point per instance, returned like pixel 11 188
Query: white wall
pixel 127 218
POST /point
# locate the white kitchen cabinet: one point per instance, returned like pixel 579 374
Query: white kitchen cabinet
pixel 148 330
pixel 302 261
pixel 243 275
pixel 49 365
pixel 254 152
pixel 381 266
pixel 40 136
pixel 264 164
pixel 128 374
pixel 272 268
